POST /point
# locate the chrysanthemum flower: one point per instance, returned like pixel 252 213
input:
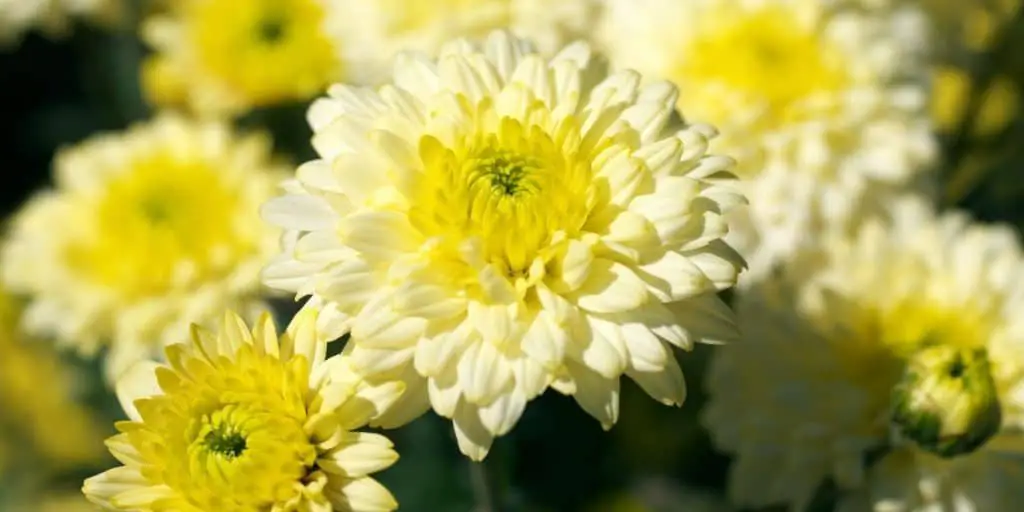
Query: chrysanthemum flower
pixel 53 17
pixel 243 420
pixel 494 223
pixel 145 232
pixel 824 107
pixel 910 328
pixel 376 31
pixel 227 56
pixel 42 422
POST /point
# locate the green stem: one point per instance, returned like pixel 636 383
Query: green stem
pixel 486 488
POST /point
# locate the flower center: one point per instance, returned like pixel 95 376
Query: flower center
pixel 509 193
pixel 766 57
pixel 162 215
pixel 506 172
pixel 225 440
pixel 271 29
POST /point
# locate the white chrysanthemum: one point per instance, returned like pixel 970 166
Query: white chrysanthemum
pixel 808 395
pixel 823 107
pixel 244 420
pixel 377 31
pixel 53 17
pixel 145 232
pixel 494 223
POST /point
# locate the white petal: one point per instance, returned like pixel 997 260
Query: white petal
pixel 359 454
pixel 611 288
pixel 598 396
pixel 474 440
pixel 483 373
pixel 674 277
pixel 136 383
pixel 380 234
pixel 666 385
pixel 646 351
pixel 367 495
pixel 719 262
pixel 545 341
pixel 304 213
pixel 501 415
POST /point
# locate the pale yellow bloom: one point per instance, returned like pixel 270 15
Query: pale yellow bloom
pixel 376 31
pixel 228 56
pixel 823 106
pixel 494 223
pixel 43 424
pixel 246 421
pixel 144 232
pixel 810 392
pixel 52 17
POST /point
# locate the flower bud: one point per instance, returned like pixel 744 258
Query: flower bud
pixel 946 401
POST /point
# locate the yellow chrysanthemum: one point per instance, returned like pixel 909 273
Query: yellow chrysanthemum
pixel 376 31
pixel 53 17
pixel 41 421
pixel 823 106
pixel 913 324
pixel 494 223
pixel 248 422
pixel 227 56
pixel 145 232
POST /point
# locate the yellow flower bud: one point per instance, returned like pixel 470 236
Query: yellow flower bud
pixel 946 401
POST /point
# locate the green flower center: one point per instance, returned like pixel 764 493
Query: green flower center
pixel 508 173
pixel 226 441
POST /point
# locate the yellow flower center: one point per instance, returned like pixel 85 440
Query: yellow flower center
pixel 513 191
pixel 266 50
pixel 230 437
pixel 767 57
pixel 164 221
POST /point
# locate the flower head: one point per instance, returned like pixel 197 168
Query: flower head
pixel 244 420
pixel 903 339
pixel 227 56
pixel 376 31
pixel 494 223
pixel 145 232
pixel 823 106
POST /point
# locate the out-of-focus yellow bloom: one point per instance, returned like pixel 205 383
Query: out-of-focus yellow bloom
pixel 227 56
pixel 242 420
pixel 905 322
pixel 53 17
pixel 824 106
pixel 146 231
pixel 376 31
pixel 951 91
pixel 497 222
pixel 41 419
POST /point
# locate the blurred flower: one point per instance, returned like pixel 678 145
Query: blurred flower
pixel 951 92
pixel 377 31
pixel 247 421
pixel 850 335
pixel 146 231
pixel 825 108
pixel 495 223
pixel 227 56
pixel 41 419
pixel 958 24
pixel 53 17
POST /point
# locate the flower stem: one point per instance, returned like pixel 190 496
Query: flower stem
pixel 486 488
